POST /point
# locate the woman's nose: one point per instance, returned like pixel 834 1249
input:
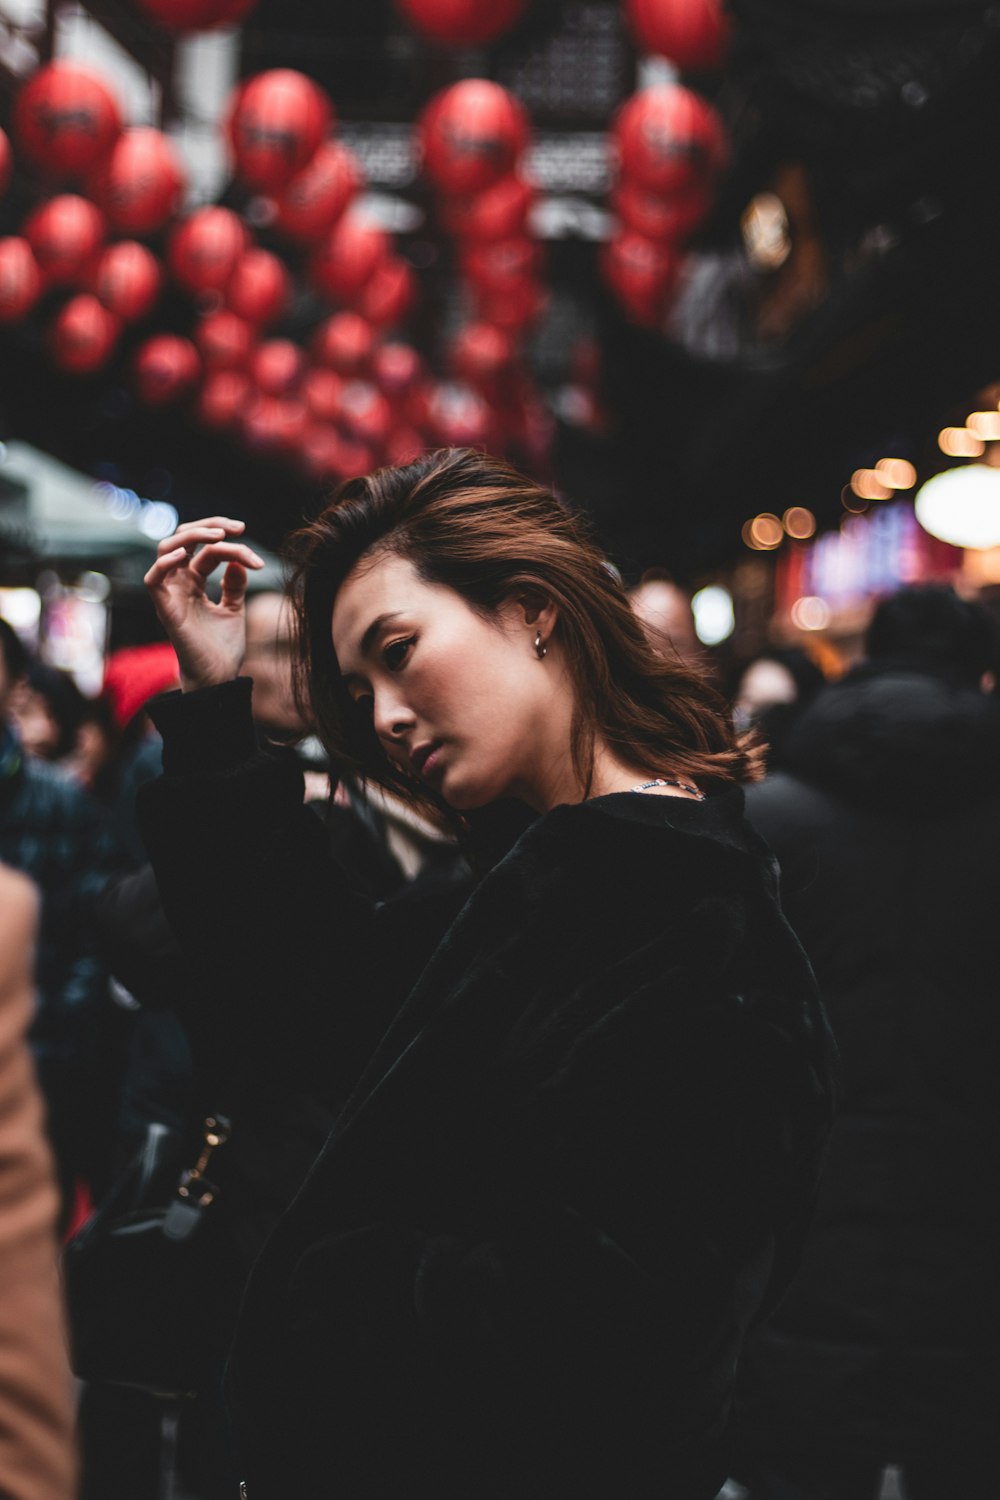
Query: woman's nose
pixel 392 718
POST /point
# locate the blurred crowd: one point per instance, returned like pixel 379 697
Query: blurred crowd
pixel 881 804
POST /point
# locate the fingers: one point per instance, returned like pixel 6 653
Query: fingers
pixel 205 562
pixel 189 536
pixel 164 566
pixel 234 585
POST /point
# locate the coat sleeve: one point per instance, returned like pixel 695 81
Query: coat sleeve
pixel 279 937
pixel 582 1337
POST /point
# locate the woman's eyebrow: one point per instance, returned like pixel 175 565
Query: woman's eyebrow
pixel 376 625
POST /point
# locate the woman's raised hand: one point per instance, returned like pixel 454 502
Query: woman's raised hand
pixel 209 637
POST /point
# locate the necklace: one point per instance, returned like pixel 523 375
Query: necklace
pixel 685 786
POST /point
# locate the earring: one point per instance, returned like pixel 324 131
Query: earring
pixel 540 650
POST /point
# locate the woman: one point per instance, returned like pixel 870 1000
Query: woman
pixel 581 1149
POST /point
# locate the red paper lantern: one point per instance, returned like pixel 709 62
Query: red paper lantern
pixel 224 341
pixel 345 343
pixel 501 268
pixel 404 445
pixel 365 413
pixel 195 15
pixel 128 280
pixel 317 196
pixel 141 183
pixel 83 335
pixel 277 366
pixel 658 218
pixel 66 120
pixel 397 369
pixel 66 235
pixel 20 279
pixel 692 33
pixel 388 297
pixel 480 353
pixel 166 367
pixel 223 399
pixel 277 120
pixel 6 161
pixel 461 23
pixel 319 453
pixel 498 213
pixel 321 391
pixel 203 251
pixel 459 418
pixel 642 274
pixel 347 257
pixel 669 140
pixel 275 424
pixel 515 310
pixel 258 289
pixel 354 458
pixel 472 135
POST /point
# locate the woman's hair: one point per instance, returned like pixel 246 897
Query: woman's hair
pixel 475 525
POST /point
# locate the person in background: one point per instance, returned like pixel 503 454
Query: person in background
pixel 132 676
pixel 886 821
pixel 51 829
pixel 772 692
pixel 47 709
pixel 37 1459
pixel 663 609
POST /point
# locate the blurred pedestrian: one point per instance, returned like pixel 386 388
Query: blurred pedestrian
pixel 584 1145
pixel 772 692
pixel 37 1459
pixel 663 609
pixel 47 710
pixel 886 822
pixel 132 676
pixel 50 829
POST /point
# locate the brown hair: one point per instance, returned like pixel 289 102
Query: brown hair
pixel 474 524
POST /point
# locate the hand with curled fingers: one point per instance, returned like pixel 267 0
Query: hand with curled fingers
pixel 208 636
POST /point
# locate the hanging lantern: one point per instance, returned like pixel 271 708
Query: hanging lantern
pixel 461 23
pixel 195 15
pixel 459 418
pixel 499 213
pixel 258 289
pixel 319 453
pixel 669 140
pixel 692 33
pixel 659 218
pixel 516 309
pixel 321 390
pixel 404 445
pixel 275 424
pixel 66 120
pixel 224 341
pixel 66 235
pixel 365 413
pixel 83 335
pixel 223 399
pixel 502 267
pixel 6 161
pixel 642 274
pixel 20 279
pixel 388 297
pixel 472 135
pixel 344 343
pixel 203 251
pixel 276 366
pixel 128 280
pixel 141 184
pixel 354 458
pixel 397 369
pixel 317 196
pixel 347 257
pixel 480 353
pixel 277 120
pixel 166 368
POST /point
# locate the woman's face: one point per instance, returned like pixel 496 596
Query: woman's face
pixel 460 701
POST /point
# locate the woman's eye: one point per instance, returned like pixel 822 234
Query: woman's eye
pixel 396 653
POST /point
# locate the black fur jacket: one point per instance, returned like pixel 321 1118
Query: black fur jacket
pixel 572 1171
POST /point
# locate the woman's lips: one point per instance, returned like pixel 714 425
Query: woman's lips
pixel 431 761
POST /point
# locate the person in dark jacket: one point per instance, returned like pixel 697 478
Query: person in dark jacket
pixel 52 831
pixel 583 1122
pixel 886 823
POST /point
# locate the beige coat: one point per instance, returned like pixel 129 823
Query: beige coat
pixel 37 1456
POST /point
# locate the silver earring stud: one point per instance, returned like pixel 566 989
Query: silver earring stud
pixel 540 650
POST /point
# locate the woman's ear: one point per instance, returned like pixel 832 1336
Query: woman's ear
pixel 537 611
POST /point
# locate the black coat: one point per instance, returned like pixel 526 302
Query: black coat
pixel 888 835
pixel 576 1164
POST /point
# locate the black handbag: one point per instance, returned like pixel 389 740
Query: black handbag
pixel 143 1274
